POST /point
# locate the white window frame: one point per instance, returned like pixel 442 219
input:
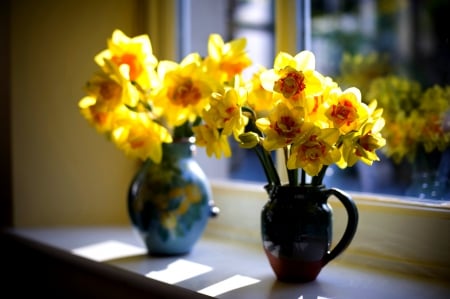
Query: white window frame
pixel 393 233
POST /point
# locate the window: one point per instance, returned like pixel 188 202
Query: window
pixel 409 33
pixel 410 43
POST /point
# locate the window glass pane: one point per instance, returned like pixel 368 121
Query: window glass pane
pixel 358 42
pixel 231 19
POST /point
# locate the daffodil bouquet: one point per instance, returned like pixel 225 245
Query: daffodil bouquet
pixel 140 103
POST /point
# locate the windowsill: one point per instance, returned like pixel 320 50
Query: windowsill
pixel 226 258
pixel 400 251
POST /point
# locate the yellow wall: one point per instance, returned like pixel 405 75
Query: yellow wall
pixel 64 173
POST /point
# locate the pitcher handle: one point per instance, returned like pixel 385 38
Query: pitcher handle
pixel 350 229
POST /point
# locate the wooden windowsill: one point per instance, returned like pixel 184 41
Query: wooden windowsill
pixel 47 261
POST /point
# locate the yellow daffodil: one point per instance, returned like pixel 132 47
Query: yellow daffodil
pixel 259 99
pixel 433 134
pixel 435 111
pixel 316 107
pixel 362 145
pixel 314 151
pixel 106 91
pixel 100 119
pixel 214 142
pixel 368 142
pixel 133 57
pixel 293 77
pixel 225 112
pixel 105 98
pixel 226 60
pixel 399 135
pixel 346 111
pixel 140 137
pixel 185 90
pixel 283 126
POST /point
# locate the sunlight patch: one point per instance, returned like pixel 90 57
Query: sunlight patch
pixel 108 250
pixel 178 271
pixel 229 284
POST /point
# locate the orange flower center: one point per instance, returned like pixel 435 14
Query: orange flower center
pixel 99 117
pixel 110 90
pixel 185 94
pixel 287 127
pixel 313 149
pixel 232 68
pixel 344 113
pixel 291 85
pixel 366 143
pixel 131 61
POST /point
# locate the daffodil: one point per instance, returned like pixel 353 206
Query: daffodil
pixel 361 146
pixel 314 151
pixel 283 126
pixel 294 78
pixel 133 57
pixel 225 113
pixel 226 60
pixel 185 90
pixel 214 142
pixel 316 107
pixel 105 98
pixel 139 136
pixel 259 99
pixel 346 111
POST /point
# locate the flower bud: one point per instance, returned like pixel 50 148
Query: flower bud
pixel 248 140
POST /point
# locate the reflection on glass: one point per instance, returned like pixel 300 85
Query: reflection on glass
pixel 396 52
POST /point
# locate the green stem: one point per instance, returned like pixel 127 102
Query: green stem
pixel 182 131
pixel 318 179
pixel 303 179
pixel 272 169
pixel 264 156
pixel 265 168
pixel 185 130
pixel 268 165
pixel 293 177
pixel 292 173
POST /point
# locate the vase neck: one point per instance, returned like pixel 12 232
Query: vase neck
pixel 178 150
pixel 295 192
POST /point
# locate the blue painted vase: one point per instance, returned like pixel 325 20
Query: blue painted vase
pixel 296 227
pixel 169 204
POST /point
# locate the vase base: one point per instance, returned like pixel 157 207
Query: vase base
pixel 291 270
pixel 169 250
pixel 167 254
